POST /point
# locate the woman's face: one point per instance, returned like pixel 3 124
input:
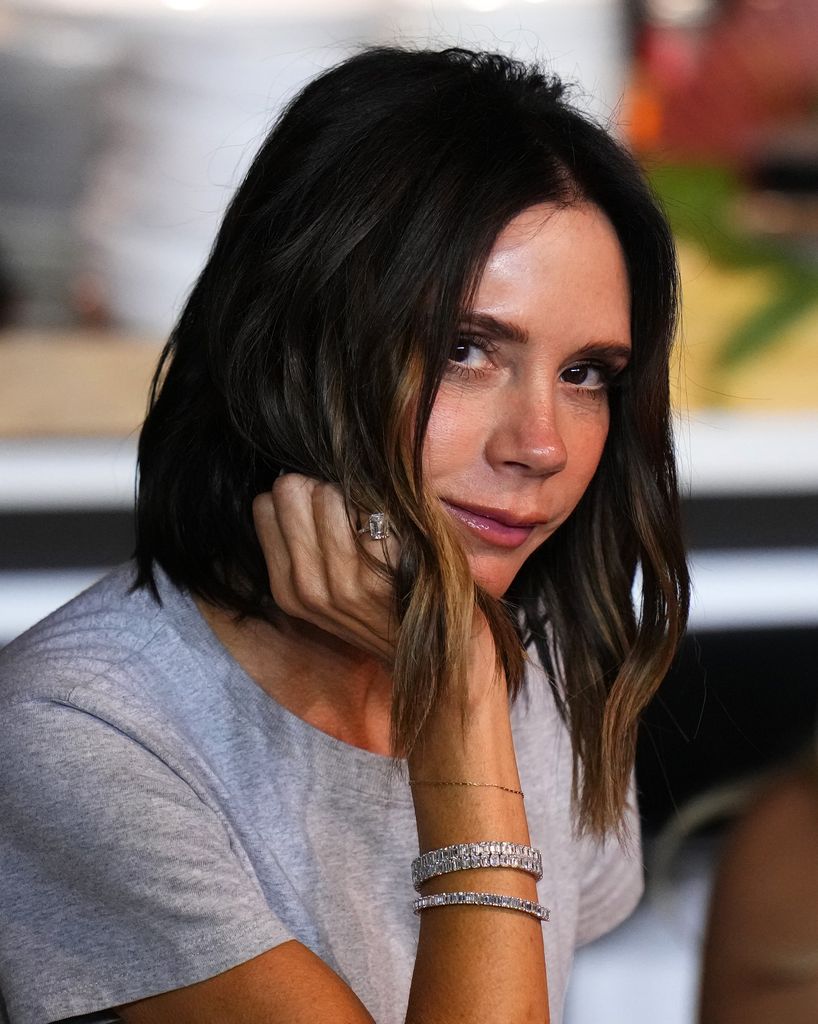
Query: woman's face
pixel 520 420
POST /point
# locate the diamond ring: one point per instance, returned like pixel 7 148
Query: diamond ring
pixel 377 526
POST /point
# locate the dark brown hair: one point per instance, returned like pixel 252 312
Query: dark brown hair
pixel 316 338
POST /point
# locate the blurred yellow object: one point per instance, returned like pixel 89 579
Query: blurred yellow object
pixel 782 377
pixel 74 383
pixel 95 383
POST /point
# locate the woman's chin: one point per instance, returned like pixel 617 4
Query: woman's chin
pixel 493 582
pixel 493 568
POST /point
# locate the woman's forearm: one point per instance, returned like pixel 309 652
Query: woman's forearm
pixel 477 964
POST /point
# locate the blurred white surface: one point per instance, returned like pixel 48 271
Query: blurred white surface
pixel 719 454
pixel 647 970
pixel 28 596
pixel 733 453
pixel 754 589
pixel 759 589
pixel 198 83
pixel 197 10
pixel 67 473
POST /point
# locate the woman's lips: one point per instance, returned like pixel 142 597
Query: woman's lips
pixel 490 530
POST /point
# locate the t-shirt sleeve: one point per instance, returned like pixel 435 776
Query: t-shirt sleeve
pixel 612 878
pixel 119 881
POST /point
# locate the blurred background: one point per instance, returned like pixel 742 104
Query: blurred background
pixel 126 124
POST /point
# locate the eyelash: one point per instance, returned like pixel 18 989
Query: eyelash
pixel 611 375
pixel 473 341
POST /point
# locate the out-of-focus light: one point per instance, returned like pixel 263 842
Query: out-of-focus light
pixel 679 12
pixel 185 5
pixel 484 5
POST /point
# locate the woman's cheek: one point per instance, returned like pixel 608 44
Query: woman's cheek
pixel 451 438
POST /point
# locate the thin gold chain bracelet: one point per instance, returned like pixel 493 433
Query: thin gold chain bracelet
pixel 487 785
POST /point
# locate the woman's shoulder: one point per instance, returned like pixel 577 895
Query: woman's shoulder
pixel 106 635
pixel 110 661
pixel 102 620
pixel 116 841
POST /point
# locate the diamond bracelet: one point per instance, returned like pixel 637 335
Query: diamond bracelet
pixel 482 899
pixel 489 854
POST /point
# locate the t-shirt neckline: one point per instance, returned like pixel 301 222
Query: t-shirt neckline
pixel 340 765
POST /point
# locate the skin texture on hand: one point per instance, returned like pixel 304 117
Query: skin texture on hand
pixel 315 569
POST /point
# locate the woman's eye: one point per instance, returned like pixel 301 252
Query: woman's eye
pixel 469 355
pixel 586 375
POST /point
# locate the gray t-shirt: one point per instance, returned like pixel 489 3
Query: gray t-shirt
pixel 163 819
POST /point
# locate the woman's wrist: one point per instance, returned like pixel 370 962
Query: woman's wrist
pixel 453 741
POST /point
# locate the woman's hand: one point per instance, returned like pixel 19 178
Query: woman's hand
pixel 315 567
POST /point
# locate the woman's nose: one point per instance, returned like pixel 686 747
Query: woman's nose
pixel 526 434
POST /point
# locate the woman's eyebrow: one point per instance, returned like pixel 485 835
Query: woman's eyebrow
pixel 606 350
pixel 509 331
pixel 494 325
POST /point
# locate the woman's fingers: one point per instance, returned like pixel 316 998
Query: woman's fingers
pixel 292 500
pixel 273 546
pixel 353 585
pixel 280 548
pixel 315 567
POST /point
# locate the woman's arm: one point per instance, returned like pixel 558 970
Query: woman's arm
pixel 286 985
pixel 761 955
pixel 475 964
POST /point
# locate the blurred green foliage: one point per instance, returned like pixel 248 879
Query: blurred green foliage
pixel 700 202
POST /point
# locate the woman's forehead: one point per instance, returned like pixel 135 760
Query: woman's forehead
pixel 563 264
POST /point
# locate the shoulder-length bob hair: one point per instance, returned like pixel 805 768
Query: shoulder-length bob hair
pixel 316 337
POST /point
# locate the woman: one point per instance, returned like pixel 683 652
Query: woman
pixel 413 422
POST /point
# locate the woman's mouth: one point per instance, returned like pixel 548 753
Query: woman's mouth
pixel 491 530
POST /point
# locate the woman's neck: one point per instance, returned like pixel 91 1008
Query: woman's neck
pixel 333 686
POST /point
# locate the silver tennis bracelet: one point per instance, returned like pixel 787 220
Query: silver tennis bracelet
pixel 483 899
pixel 487 854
